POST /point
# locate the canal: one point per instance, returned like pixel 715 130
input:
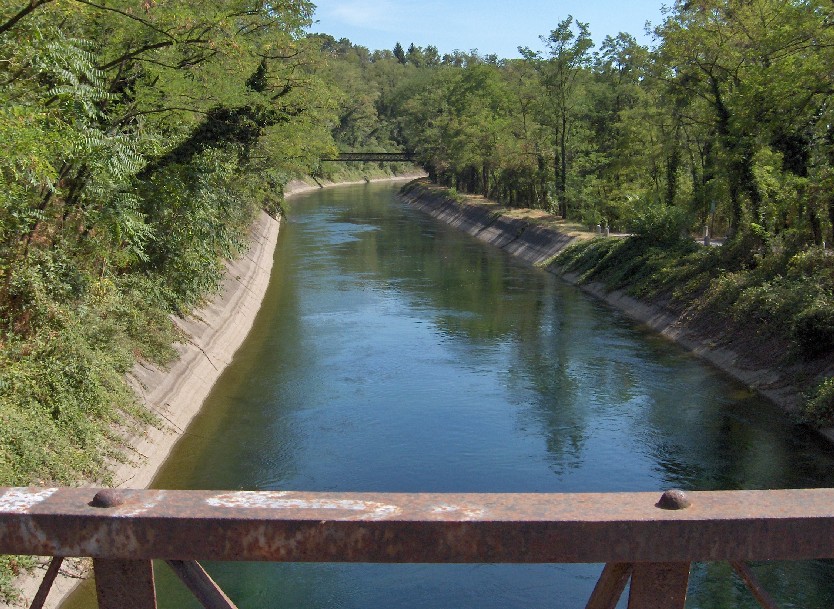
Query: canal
pixel 395 354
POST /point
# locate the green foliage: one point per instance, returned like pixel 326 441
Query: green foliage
pixel 772 296
pixel 134 165
pixel 726 124
pixel 813 329
pixel 453 194
pixel 660 225
pixel 819 406
pixel 138 143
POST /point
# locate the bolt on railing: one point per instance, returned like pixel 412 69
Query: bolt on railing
pixel 641 540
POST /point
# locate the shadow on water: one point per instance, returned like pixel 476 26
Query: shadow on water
pixel 395 354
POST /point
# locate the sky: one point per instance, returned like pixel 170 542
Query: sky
pixel 490 26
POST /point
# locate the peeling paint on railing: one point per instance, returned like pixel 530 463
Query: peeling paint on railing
pixel 281 500
pixel 20 500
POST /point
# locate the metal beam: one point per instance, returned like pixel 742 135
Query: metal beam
pixel 124 583
pixel 658 586
pixel 441 528
pixel 610 586
pixel 202 586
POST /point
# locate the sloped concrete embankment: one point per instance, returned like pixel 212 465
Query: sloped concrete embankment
pixel 521 238
pixel 175 393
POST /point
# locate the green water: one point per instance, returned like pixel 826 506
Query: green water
pixel 396 354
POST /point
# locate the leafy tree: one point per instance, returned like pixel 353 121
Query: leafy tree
pixel 137 138
pixel 568 54
pixel 415 56
pixel 760 67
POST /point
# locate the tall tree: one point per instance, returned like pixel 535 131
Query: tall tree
pixel 568 53
pixel 763 67
pixel 399 53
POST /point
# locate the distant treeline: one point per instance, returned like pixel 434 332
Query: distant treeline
pixel 728 119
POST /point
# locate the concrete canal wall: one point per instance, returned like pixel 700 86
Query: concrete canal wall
pixel 521 238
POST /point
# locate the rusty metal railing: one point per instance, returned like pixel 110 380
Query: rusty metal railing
pixel 648 542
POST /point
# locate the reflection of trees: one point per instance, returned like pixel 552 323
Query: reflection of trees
pixel 703 437
pixel 572 366
pixel 576 364
pixel 471 287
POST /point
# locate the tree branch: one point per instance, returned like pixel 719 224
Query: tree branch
pixel 137 52
pixel 33 5
pixel 126 14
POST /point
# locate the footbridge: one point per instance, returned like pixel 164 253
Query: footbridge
pixel 642 539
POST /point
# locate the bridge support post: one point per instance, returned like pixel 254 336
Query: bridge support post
pixel 610 586
pixel 659 585
pixel 124 584
pixel 202 586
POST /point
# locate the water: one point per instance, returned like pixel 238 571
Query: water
pixel 395 354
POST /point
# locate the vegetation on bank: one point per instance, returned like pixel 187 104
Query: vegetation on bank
pixel 728 119
pixel 726 125
pixel 772 305
pixel 139 141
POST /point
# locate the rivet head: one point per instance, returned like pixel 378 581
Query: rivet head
pixel 107 498
pixel 674 499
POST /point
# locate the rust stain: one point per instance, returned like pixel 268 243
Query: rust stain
pixel 391 527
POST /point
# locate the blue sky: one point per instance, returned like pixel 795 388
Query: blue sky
pixel 491 26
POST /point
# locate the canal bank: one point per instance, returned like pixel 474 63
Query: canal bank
pixel 537 244
pixel 176 393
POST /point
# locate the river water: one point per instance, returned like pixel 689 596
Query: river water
pixel 395 354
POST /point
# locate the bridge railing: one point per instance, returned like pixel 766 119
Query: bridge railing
pixel 641 538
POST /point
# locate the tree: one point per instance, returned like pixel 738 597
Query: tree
pixel 399 53
pixel 139 139
pixel 763 69
pixel 431 56
pixel 415 56
pixel 568 54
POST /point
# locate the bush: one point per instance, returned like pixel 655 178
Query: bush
pixel 661 225
pixel 819 407
pixel 814 330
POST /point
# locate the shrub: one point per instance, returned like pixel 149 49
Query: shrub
pixel 660 225
pixel 814 329
pixel 819 407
